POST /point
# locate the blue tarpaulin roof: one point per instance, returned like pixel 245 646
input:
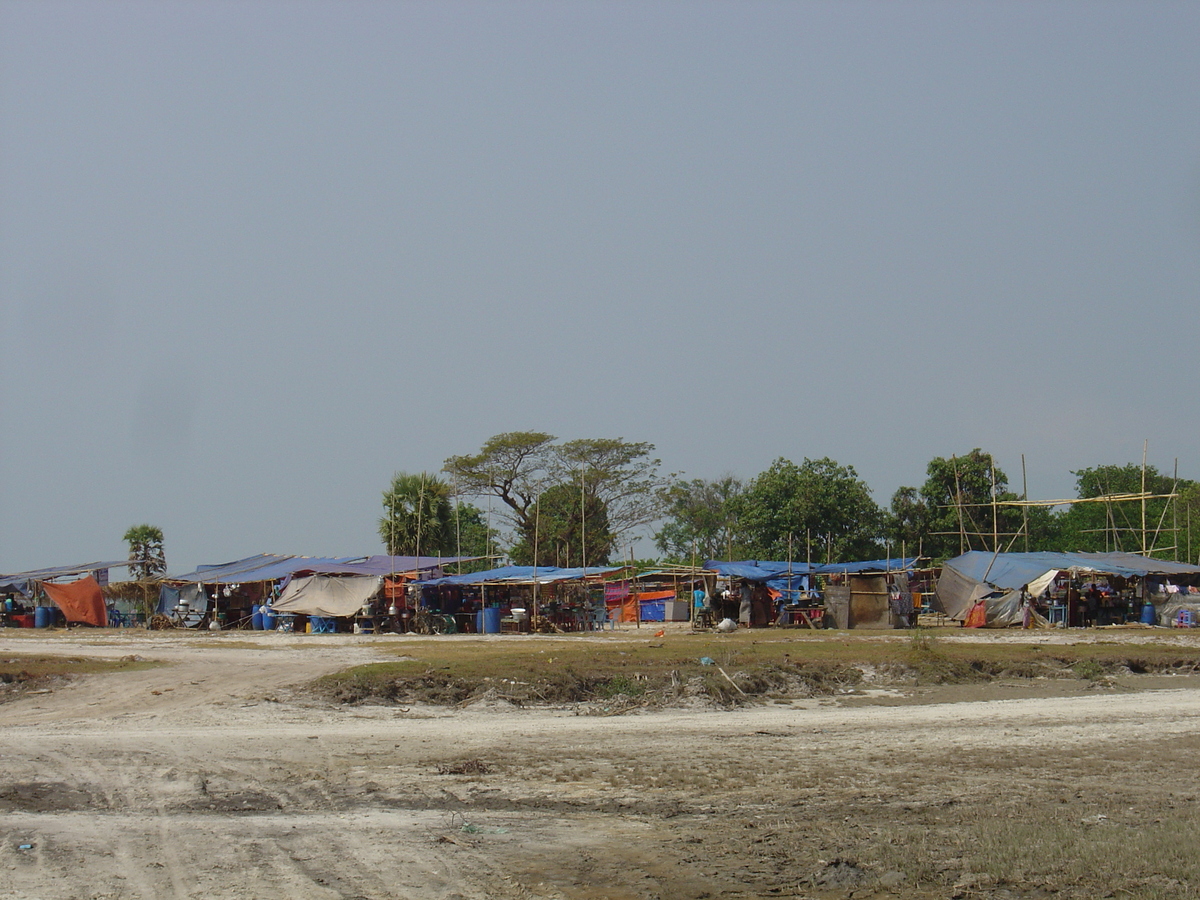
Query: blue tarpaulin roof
pixel 1012 570
pixel 896 564
pixel 21 581
pixel 765 570
pixel 755 570
pixel 523 575
pixel 269 567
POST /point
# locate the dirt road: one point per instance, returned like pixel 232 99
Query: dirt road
pixel 213 777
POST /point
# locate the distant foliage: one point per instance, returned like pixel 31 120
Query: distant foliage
pixel 1119 525
pixel 701 520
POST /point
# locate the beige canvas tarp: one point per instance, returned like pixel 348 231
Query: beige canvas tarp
pixel 327 595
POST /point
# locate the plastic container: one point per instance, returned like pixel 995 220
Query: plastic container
pixel 256 620
pixel 268 618
pixel 491 620
pixel 1149 616
pixel 43 617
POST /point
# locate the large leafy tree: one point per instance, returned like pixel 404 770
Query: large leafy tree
pixel 701 518
pixel 959 512
pixel 418 518
pixel 818 501
pixel 616 479
pixel 147 558
pixel 622 475
pixel 1119 524
pixel 562 536
pixel 512 467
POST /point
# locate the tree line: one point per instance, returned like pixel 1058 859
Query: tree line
pixel 538 500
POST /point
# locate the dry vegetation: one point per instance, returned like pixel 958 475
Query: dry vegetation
pixel 726 670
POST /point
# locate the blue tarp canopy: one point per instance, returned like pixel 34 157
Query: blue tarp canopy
pixel 754 570
pixel 523 575
pixel 782 577
pixel 388 565
pixel 765 570
pixel 22 581
pixel 905 564
pixel 1010 571
pixel 269 567
pixel 997 578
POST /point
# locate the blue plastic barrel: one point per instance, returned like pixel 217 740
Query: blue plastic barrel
pixel 491 620
pixel 256 621
pixel 1149 616
pixel 268 618
pixel 43 617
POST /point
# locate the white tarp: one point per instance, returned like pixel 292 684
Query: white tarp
pixel 1006 608
pixel 957 593
pixel 327 595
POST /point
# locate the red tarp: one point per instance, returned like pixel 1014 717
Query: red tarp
pixel 80 601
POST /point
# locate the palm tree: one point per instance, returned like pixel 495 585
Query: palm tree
pixel 146 555
pixel 418 517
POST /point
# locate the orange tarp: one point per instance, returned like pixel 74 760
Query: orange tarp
pixel 627 610
pixel 80 601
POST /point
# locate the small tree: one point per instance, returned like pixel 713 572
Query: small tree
pixel 146 556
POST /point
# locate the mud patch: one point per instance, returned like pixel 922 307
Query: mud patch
pixel 45 796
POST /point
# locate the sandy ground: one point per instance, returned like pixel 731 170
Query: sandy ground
pixel 215 777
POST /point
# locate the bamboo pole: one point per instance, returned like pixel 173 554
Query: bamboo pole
pixel 1175 511
pixel 995 511
pixel 1145 447
pixel 537 522
pixel 1025 496
pixel 962 534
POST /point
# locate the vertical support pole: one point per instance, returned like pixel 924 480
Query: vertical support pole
pixel 1025 497
pixel 1145 447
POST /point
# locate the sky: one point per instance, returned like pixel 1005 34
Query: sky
pixel 257 257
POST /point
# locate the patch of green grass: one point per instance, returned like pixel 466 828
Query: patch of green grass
pixel 1088 670
pixel 621 685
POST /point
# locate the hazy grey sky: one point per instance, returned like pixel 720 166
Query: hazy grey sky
pixel 256 257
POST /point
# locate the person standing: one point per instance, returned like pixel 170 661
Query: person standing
pixel 1026 607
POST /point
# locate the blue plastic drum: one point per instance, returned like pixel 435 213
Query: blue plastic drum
pixel 43 617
